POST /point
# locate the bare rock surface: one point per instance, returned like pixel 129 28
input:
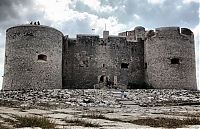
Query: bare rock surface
pixel 111 109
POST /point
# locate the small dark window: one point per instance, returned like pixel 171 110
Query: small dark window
pixel 175 61
pixel 124 65
pixel 145 65
pixel 85 62
pixel 6 59
pixel 42 57
pixel 103 65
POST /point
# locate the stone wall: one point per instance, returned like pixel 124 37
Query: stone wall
pixel 33 58
pixel 89 60
pixel 170 59
pixel 79 67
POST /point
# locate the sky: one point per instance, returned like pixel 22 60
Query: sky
pixel 83 16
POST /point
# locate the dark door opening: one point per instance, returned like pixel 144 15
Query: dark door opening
pixel 101 79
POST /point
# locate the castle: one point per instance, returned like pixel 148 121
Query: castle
pixel 41 57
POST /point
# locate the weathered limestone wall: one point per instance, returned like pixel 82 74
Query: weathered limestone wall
pixel 33 58
pixel 79 65
pixel 170 58
pixel 90 60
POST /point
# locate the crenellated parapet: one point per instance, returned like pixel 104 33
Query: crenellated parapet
pixel 135 35
pixel 170 33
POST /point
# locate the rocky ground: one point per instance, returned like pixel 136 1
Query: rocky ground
pixel 104 109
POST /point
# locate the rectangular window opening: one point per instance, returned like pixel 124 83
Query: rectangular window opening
pixel 145 65
pixel 124 65
pixel 175 61
pixel 42 57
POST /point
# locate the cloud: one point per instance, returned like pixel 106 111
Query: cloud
pixel 156 1
pixel 197 52
pixel 156 12
pixel 190 1
pixel 2 53
pixel 11 9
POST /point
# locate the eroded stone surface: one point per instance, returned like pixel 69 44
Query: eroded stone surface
pixel 59 105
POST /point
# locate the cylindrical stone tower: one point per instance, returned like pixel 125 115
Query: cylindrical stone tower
pixel 170 58
pixel 139 32
pixel 33 58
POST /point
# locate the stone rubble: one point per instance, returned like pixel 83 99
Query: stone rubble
pixel 98 98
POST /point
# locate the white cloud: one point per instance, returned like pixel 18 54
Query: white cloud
pixel 156 1
pixel 2 51
pixel 190 1
pixel 112 25
pixel 59 13
pixel 93 4
pixel 1 81
pixel 96 6
pixel 54 10
pixel 197 52
pixel 179 7
pixel 136 16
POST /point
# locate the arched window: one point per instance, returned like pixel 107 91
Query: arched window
pixel 42 57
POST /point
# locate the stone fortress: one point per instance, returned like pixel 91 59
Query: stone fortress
pixel 41 57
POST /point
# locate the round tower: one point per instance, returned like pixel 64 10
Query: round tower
pixel 139 33
pixel 33 58
pixel 170 58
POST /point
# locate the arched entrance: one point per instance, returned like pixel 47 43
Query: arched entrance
pixel 103 78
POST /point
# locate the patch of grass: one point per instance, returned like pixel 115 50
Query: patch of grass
pixel 153 122
pixel 4 127
pixel 9 120
pixel 7 103
pixel 81 122
pixel 115 119
pixel 34 121
pixel 100 116
pixel 94 116
pixel 166 122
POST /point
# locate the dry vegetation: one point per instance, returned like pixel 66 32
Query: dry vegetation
pixel 152 122
pixel 81 122
pixel 167 122
pixel 94 116
pixel 3 126
pixel 28 121
pixel 33 121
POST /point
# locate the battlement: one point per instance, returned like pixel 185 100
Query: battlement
pixel 173 30
pixel 134 35
pixel 33 26
pixel 186 31
pixel 116 39
pixel 169 32
pixel 167 29
pixel 86 35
